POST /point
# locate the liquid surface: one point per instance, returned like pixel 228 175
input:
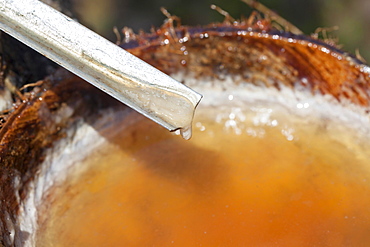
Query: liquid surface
pixel 240 181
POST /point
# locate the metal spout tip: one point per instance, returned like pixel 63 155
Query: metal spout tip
pixel 100 62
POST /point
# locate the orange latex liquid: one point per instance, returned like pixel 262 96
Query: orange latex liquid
pixel 152 188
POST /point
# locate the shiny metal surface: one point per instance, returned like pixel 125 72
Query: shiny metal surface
pixel 100 62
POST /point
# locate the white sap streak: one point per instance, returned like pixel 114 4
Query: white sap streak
pixel 248 103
